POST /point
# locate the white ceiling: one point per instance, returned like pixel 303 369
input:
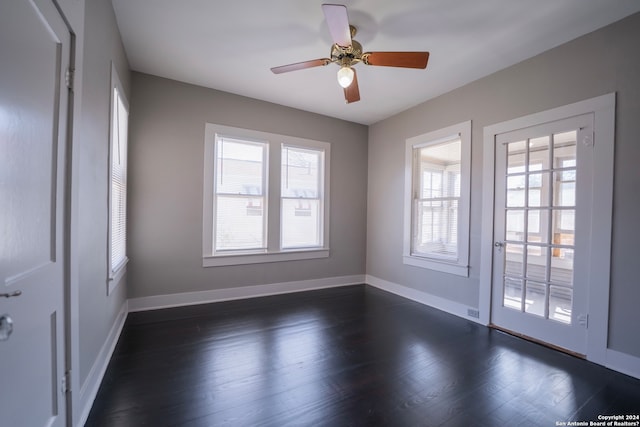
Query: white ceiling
pixel 231 45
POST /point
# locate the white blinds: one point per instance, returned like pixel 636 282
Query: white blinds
pixel 119 130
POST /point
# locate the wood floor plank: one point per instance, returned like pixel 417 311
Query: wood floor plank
pixel 351 356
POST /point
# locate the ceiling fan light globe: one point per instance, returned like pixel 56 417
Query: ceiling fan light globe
pixel 345 76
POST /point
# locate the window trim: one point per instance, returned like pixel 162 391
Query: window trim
pixel 117 272
pixel 274 252
pixel 459 266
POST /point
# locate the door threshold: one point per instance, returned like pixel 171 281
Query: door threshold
pixel 537 341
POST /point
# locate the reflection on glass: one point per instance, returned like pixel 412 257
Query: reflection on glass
pixel 536 262
pixel 562 266
pixel 560 299
pixel 535 298
pixel 515 225
pixel 513 262
pixel 512 293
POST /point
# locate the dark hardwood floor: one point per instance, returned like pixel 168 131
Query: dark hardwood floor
pixel 352 356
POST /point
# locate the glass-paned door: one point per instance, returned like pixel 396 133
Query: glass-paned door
pixel 541 231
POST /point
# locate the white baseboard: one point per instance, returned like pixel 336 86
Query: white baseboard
pixel 442 304
pixel 90 387
pixel 623 362
pixel 241 292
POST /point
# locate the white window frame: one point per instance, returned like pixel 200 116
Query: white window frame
pixel 460 265
pixel 117 271
pixel 274 251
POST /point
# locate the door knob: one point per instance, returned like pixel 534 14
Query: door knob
pixel 6 327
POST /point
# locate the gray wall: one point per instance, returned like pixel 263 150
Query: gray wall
pixel 598 63
pixel 166 177
pixel 97 311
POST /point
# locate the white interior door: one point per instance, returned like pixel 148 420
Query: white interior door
pixel 34 52
pixel 542 231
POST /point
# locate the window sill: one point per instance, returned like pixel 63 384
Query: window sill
pixel 115 277
pixel 437 265
pixel 241 259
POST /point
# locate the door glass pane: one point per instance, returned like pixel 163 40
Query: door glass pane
pixel 537 226
pixel 562 265
pixel 560 299
pixel 538 189
pixel 512 293
pixel 565 188
pixel 535 299
pixel 513 263
pixel 564 148
pixel 515 225
pixel 539 153
pixel 536 262
pixel 516 156
pixel 564 226
pixel 515 191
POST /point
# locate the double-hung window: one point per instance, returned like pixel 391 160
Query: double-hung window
pixel 266 197
pixel 117 254
pixel 437 200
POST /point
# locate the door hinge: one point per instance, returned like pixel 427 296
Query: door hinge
pixel 69 78
pixel 583 320
pixel 65 384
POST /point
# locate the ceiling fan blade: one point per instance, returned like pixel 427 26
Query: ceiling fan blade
pixel 352 92
pixel 300 65
pixel 338 22
pixel 397 59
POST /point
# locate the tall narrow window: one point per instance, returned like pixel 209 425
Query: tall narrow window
pixel 437 200
pixel 302 198
pixel 240 209
pixel 118 182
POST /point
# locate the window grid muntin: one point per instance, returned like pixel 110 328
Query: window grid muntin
pixel 550 247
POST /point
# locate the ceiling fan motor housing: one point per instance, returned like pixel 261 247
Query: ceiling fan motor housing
pixel 349 55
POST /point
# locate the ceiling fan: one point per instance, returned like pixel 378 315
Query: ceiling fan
pixel 347 52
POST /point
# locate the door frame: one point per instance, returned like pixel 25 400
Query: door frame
pixel 603 109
